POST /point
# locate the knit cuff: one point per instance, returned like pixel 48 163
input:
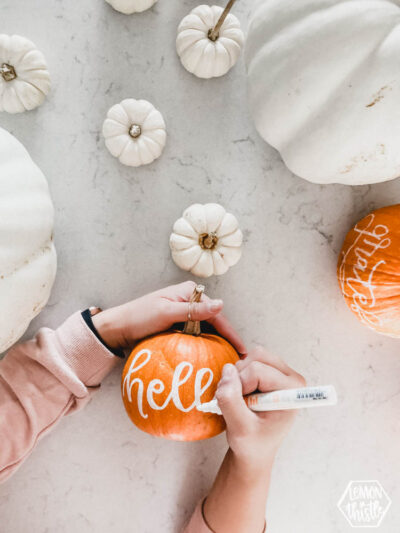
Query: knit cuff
pixel 83 352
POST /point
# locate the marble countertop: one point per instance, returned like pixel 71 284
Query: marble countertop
pixel 96 472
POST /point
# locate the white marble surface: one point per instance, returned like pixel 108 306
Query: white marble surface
pixel 96 472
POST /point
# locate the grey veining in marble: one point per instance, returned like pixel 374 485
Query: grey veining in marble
pixel 96 472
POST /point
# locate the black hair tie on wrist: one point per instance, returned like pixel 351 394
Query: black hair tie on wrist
pixel 87 317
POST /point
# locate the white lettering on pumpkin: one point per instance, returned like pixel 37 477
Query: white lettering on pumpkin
pixel 128 384
pixel 200 389
pixel 182 373
pixel 156 386
pixel 368 241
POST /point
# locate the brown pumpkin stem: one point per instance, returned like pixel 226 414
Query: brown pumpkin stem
pixel 8 72
pixel 213 34
pixel 192 327
pixel 208 241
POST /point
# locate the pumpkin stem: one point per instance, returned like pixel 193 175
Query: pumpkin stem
pixel 8 72
pixel 213 34
pixel 135 131
pixel 208 241
pixel 192 327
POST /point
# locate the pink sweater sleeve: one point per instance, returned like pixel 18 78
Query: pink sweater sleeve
pixel 44 379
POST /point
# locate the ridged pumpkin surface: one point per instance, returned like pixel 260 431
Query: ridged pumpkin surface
pixel 369 270
pixel 166 376
pixel 27 255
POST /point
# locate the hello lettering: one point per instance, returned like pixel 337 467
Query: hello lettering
pixel 181 375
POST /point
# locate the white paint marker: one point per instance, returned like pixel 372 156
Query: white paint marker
pixel 281 400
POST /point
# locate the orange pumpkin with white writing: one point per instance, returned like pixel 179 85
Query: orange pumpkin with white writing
pixel 369 270
pixel 168 375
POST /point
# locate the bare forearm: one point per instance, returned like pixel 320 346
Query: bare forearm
pixel 238 498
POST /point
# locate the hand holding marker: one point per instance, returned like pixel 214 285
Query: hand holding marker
pixel 281 400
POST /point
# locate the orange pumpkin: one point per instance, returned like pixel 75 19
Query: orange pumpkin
pixel 369 270
pixel 168 375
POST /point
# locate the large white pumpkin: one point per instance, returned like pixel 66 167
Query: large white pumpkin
pixel 324 86
pixel 27 254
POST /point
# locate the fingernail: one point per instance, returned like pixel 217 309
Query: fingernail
pixel 215 305
pixel 228 370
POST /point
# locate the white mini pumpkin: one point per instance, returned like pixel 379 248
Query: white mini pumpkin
pixel 324 86
pixel 131 6
pixel 27 254
pixel 134 131
pixel 199 53
pixel 206 240
pixel 24 78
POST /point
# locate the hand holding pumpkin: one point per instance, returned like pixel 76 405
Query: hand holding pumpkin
pixel 255 437
pixel 123 326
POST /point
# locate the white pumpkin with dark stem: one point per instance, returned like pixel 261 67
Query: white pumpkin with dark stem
pixel 27 254
pixel 131 6
pixel 324 86
pixel 209 41
pixel 134 132
pixel 24 78
pixel 206 240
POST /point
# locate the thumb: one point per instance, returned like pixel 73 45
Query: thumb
pixel 230 399
pixel 179 311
